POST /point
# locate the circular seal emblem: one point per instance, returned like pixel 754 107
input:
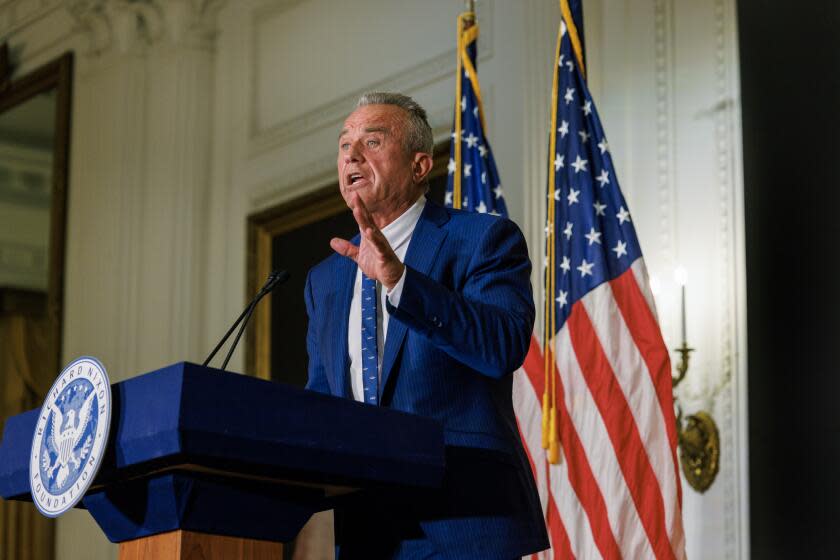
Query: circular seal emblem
pixel 70 436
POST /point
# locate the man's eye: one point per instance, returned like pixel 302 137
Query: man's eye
pixel 373 143
pixel 345 146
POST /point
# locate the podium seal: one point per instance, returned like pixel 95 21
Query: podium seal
pixel 70 436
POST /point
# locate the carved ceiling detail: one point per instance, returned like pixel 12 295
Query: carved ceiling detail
pixel 130 25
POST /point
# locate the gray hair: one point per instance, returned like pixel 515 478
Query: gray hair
pixel 418 133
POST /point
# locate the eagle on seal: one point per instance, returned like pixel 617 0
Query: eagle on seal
pixel 64 439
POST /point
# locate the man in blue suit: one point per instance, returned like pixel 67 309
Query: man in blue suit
pixel 429 311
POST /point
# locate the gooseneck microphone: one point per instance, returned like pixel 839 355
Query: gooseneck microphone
pixel 276 278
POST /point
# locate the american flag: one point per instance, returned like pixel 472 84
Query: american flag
pixel 596 410
pixel 473 182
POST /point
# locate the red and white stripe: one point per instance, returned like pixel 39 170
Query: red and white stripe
pixel 616 492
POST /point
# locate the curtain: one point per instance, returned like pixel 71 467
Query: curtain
pixel 24 380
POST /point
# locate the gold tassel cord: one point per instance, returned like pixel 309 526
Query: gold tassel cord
pixel 551 435
pixel 549 423
pixel 573 34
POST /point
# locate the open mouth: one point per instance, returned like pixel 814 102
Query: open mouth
pixel 355 178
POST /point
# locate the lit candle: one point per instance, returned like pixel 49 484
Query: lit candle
pixel 681 276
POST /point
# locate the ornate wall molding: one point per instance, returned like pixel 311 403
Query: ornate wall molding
pixel 664 47
pixel 16 15
pixel 426 72
pixel 724 392
pixel 126 25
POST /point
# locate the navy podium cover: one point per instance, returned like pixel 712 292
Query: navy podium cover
pixel 198 449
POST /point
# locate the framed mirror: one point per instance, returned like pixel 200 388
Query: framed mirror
pixel 34 147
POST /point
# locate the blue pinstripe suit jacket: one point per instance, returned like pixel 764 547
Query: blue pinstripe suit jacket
pixel 463 326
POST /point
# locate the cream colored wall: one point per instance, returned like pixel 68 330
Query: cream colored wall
pixel 190 115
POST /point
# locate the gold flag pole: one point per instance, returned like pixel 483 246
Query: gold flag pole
pixel 465 21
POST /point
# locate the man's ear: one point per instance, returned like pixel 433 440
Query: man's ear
pixel 422 166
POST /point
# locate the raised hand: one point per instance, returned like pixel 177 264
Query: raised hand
pixel 374 254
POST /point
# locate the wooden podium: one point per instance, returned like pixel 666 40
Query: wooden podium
pixel 207 464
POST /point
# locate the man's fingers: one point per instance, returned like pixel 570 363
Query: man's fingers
pixel 358 202
pixel 344 248
pixel 377 238
pixel 361 215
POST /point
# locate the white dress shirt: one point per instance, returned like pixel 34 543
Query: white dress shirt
pixel 398 233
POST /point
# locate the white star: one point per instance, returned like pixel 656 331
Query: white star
pixel 587 108
pixel 599 208
pixel 579 164
pixel 471 140
pixel 585 268
pixel 566 264
pixel 557 195
pixel 464 103
pixel 604 147
pixel 482 208
pixel 570 65
pixel 573 196
pixel 483 176
pixel 620 249
pixel 447 199
pixel 570 92
pixel 561 299
pixel 454 136
pixel 623 215
pixel 568 231
pixel 564 129
pixel 467 168
pixel 593 236
pixel 559 162
pixel 560 61
pixel 466 202
pixel 451 167
pixel 584 136
pixel 475 111
pixel 548 228
pixel 603 178
pixel 482 150
pixel 494 213
pixel 498 191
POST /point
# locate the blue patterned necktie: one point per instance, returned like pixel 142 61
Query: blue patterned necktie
pixel 370 356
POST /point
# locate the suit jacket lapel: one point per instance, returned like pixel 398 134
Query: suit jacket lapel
pixel 345 280
pixel 422 250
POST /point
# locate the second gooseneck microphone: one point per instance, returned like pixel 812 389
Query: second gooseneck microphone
pixel 276 278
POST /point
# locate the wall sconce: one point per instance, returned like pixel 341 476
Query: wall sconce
pixel 698 438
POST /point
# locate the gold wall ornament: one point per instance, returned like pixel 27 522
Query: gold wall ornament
pixel 697 436
pixel 699 450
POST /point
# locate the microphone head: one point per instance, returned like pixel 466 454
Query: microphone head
pixel 276 278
